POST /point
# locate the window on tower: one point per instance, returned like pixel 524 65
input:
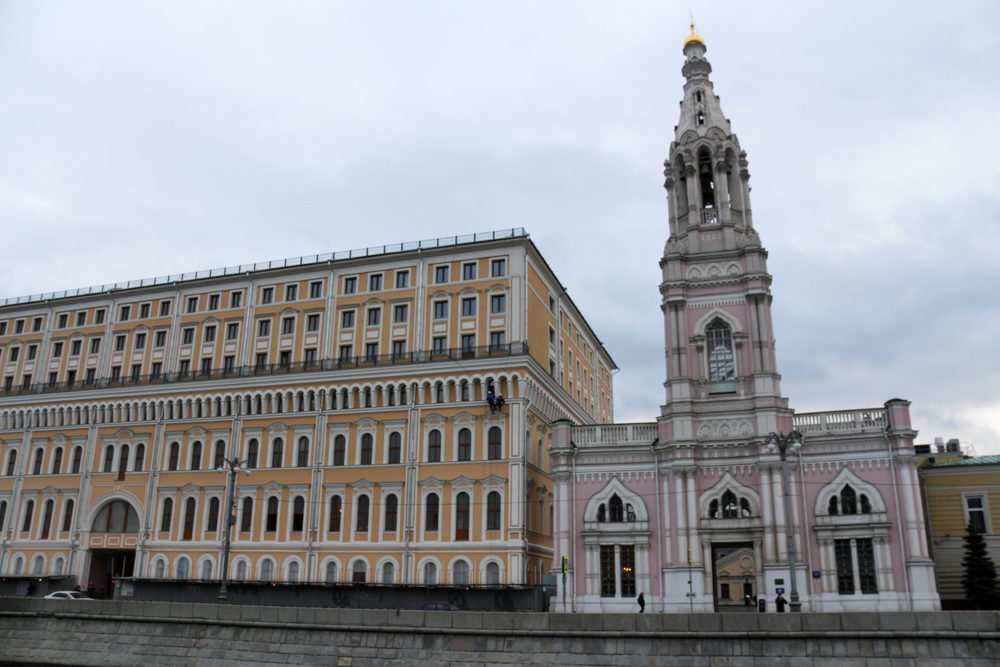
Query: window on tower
pixel 721 362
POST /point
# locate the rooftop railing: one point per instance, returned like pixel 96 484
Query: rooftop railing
pixel 264 370
pixel 373 251
pixel 847 421
pixel 611 434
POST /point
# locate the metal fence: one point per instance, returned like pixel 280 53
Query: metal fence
pixel 291 368
pixel 374 251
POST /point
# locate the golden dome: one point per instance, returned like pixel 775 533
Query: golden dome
pixel 693 38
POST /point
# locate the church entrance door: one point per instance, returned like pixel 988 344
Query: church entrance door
pixel 733 576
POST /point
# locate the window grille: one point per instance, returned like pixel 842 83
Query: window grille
pixel 866 566
pixel 608 571
pixel 845 566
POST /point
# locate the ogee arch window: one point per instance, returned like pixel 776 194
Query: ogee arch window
pixel 721 361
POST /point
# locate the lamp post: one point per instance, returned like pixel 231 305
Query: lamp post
pixel 233 467
pixel 781 443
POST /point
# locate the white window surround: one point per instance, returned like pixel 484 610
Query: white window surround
pixel 379 567
pixel 985 508
pixel 729 483
pixel 484 566
pixel 451 570
pixel 422 567
pixel 844 478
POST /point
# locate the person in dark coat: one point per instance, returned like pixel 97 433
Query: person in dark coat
pixel 780 602
pixel 642 603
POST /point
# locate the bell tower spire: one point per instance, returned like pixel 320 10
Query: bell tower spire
pixel 716 296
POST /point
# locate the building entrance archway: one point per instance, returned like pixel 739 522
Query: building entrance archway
pixel 734 576
pixel 112 540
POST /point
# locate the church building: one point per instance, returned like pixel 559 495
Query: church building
pixel 695 510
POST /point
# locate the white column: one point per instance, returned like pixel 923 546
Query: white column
pixel 909 505
pixel 766 515
pixel 692 512
pixel 885 547
pixel 796 524
pixel 682 537
pixel 779 516
pixel 668 560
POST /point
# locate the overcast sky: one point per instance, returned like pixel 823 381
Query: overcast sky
pixel 141 139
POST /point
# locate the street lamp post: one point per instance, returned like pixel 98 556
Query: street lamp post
pixel 233 467
pixel 782 443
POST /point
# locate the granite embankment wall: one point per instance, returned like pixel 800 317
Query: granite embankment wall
pixel 52 632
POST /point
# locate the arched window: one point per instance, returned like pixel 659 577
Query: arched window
pixel 617 510
pixel 834 504
pixel 335 512
pixel 18 565
pixel 713 509
pixel 49 506
pixel 246 522
pixel 465 445
pixel 189 509
pixel 366 449
pixel 431 513
pixel 745 508
pixel 183 568
pixel 196 455
pixel 298 514
pixel 3 514
pixel 462 517
pixel 57 567
pixel 272 515
pixel 12 463
pixel 39 455
pixel 721 362
pixel 241 571
pixel 391 510
pixel 167 517
pixel 252 447
pixel 331 572
pixel 848 501
pixel 339 447
pixel 175 454
pixel 434 446
pixel 492 574
pixel 495 452
pixel 388 573
pixel 465 390
pixel 277 452
pixel 866 506
pixel 362 525
pixel 57 461
pixel 705 174
pixel 140 458
pixel 359 572
pixel 493 511
pixel 39 565
pixel 730 509
pixel 293 571
pixel 602 514
pixel 220 454
pixel 303 456
pixel 77 459
pixel 439 392
pixel 213 515
pixel 430 574
pixel 122 462
pixel 109 459
pixel 395 446
pixel 67 517
pixel 267 570
pixel 460 574
pixel 206 570
pixel 29 511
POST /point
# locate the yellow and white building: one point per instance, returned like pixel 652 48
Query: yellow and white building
pixel 354 386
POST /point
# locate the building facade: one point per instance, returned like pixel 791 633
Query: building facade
pixel 353 386
pixel 690 509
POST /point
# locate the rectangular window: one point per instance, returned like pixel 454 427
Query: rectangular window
pixel 261 360
pixel 441 274
pixel 57 350
pixel 374 315
pixel 53 379
pixel 232 331
pixel 291 292
pixel 608 587
pixel 125 312
pixel 37 324
pixel 99 316
pixel 402 279
pixel 144 311
pixel 287 326
pixel 498 268
pixel 206 366
pixel 74 348
pixel 164 308
pixel 627 553
pixel 371 351
pixel 468 343
pixel 119 343
pixel 845 566
pixel 468 307
pixel 399 314
pixel 32 352
pixel 187 336
pixel 264 328
pixel 469 271
pixel 398 348
pixel 136 371
pixel 161 339
pixel 15 354
pixel 312 323
pixel 975 510
pixel 866 566
pixel 213 302
pixel 345 352
pixel 285 358
pixel 27 381
pixel 95 345
pixel 19 326
pixel 267 295
pixel 347 319
pixel 140 341
pixel 156 369
pixel 236 299
pixel 210 334
pixel 63 320
pixel 498 303
pixel 350 285
pixel 184 368
pixel 90 377
pixel 375 283
pixel 8 382
pixel 116 372
pixel 310 358
pixel 81 319
pixel 440 310
pixel 192 304
pixel 315 290
pixel 228 363
pixel 440 345
pixel 497 339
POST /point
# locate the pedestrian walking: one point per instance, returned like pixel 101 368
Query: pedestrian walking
pixel 780 602
pixel 642 603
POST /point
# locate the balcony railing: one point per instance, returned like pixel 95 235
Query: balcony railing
pixel 710 216
pixel 373 251
pixel 849 421
pixel 610 434
pixel 298 367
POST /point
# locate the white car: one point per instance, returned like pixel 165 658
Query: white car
pixel 68 595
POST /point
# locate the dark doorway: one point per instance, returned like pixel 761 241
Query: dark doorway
pixel 105 566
